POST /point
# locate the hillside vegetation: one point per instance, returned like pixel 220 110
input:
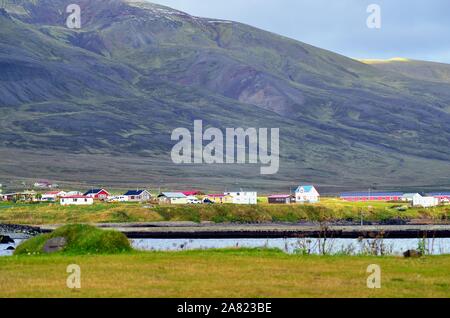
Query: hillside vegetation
pixel 329 210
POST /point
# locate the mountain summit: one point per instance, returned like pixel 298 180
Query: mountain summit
pixel 111 93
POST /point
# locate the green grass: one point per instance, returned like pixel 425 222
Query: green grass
pixel 81 239
pixel 327 210
pixel 223 273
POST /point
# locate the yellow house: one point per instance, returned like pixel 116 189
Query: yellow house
pixel 220 198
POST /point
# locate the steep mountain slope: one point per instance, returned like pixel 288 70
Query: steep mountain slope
pixel 136 71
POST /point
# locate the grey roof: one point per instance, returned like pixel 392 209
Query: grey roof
pixel 173 195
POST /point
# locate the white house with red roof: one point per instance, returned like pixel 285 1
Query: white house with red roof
pixel 76 200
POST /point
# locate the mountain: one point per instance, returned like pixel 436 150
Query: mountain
pixel 419 70
pixel 98 105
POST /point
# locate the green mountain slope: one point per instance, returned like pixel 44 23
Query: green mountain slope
pixel 136 71
pixel 420 70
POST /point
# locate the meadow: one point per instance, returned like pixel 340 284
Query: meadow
pixel 330 209
pixel 223 273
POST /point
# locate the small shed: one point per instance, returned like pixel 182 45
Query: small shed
pixel 280 199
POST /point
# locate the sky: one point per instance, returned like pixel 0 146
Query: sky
pixel 416 29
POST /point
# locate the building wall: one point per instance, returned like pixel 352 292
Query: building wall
pixel 221 200
pixel 77 201
pixel 243 197
pixel 366 198
pixel 279 200
pixel 139 198
pixel 305 197
pixel 178 201
pixel 425 202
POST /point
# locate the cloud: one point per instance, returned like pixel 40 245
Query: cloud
pixel 410 28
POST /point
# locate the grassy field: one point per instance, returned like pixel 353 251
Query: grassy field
pixel 224 273
pixel 327 210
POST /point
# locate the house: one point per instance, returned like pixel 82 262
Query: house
pixel 219 198
pixel 281 199
pixel 172 198
pixel 243 197
pixel 137 196
pixel 29 196
pixel 425 202
pixel 98 194
pixel 306 194
pixel 76 200
pixel 409 197
pixel 372 196
pixel 52 196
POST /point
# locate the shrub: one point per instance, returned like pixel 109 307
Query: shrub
pixel 81 239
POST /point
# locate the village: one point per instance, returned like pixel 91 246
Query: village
pixel 47 192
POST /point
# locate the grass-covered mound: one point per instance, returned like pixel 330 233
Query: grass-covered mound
pixel 80 239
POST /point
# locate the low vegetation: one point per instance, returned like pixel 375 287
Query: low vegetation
pixel 327 210
pixel 223 273
pixel 81 239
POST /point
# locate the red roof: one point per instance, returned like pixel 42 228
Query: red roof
pixel 192 192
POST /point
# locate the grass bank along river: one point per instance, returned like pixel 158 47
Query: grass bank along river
pixel 330 210
pixel 211 230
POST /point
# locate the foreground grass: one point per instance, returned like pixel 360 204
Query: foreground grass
pixel 224 273
pixel 327 210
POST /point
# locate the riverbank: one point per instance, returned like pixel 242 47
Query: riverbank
pixel 329 210
pixel 223 273
pixel 189 230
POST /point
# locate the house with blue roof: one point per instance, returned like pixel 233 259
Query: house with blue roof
pixel 137 196
pixel 307 194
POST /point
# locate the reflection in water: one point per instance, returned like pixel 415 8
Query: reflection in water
pixel 437 246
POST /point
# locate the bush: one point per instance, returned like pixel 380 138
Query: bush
pixel 81 239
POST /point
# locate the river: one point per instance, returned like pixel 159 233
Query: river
pixel 438 246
